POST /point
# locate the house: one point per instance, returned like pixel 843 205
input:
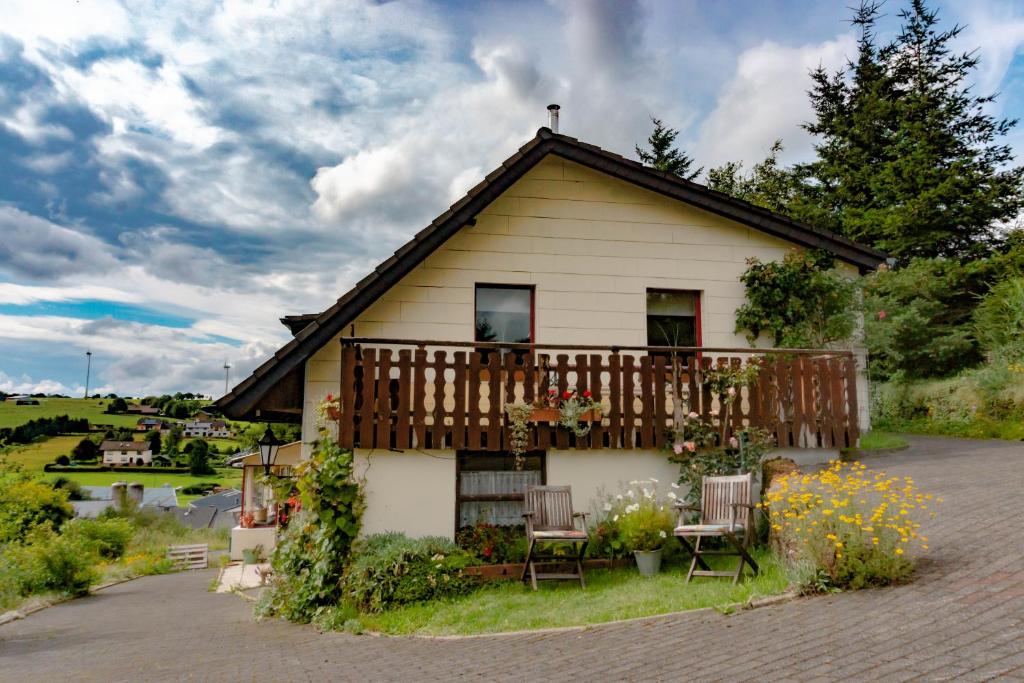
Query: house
pixel 561 269
pixel 226 504
pixel 260 516
pixel 206 429
pixel 146 424
pixel 100 498
pixel 137 409
pixel 126 453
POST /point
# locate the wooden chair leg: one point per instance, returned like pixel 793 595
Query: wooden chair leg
pixel 579 563
pixel 741 551
pixel 689 548
pixel 696 558
pixel 528 564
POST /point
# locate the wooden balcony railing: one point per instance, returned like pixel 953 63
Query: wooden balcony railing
pixel 454 394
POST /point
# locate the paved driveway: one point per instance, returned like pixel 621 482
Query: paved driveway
pixel 962 618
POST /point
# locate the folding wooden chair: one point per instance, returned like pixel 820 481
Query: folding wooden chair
pixel 726 511
pixel 550 519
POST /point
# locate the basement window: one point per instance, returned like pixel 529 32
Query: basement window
pixel 490 490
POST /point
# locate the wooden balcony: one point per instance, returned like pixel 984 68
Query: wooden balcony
pixel 401 394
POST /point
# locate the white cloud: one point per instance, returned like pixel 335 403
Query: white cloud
pixel 33 247
pixel 767 99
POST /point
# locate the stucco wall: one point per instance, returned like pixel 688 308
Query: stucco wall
pixel 590 472
pixel 592 245
pixel 414 492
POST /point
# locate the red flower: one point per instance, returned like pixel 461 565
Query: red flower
pixel 882 315
pixel 330 397
pixel 586 393
pixel 552 392
pixel 566 394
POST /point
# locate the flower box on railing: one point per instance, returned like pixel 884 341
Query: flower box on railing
pixel 548 414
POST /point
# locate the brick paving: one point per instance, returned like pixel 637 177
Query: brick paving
pixel 962 619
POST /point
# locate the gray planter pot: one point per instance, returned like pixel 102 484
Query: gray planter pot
pixel 648 561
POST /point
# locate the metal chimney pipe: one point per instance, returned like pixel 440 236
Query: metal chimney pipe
pixel 553 117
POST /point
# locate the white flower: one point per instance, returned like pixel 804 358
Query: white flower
pixel 630 493
pixel 615 518
pixel 647 494
pixel 653 480
pixel 634 482
pixel 618 497
pixel 607 507
pixel 675 485
pixel 663 534
pixel 693 415
pixel 671 495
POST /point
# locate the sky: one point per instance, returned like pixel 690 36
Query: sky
pixel 175 177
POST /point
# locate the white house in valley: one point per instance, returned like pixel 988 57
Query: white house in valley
pixel 126 453
pixel 568 267
pixel 206 428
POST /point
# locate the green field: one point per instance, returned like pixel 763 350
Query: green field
pixel 228 477
pixel 12 415
pixel 33 456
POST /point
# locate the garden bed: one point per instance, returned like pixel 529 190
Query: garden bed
pixel 514 570
pixel 610 595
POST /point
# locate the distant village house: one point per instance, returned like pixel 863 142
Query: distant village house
pixel 207 429
pixel 126 453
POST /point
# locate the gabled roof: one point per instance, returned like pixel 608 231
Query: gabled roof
pixel 284 369
pixel 137 446
pixel 225 500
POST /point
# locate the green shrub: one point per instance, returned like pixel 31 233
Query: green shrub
pixel 493 544
pixel 26 504
pixel 388 570
pixel 312 553
pixel 48 562
pixel 109 536
pixel 999 319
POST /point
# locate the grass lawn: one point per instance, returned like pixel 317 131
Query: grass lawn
pixel 225 477
pixel 876 440
pixel 33 456
pixel 12 415
pixel 610 595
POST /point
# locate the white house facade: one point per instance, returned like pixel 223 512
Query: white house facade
pixel 568 268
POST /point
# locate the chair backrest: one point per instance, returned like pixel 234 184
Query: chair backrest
pixel 719 493
pixel 551 506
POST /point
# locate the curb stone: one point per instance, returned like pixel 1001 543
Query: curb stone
pixel 734 608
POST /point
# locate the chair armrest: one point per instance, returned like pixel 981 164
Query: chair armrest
pixel 684 506
pixel 735 510
pixel 580 515
pixel 528 513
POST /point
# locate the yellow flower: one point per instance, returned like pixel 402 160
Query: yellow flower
pixel 899 551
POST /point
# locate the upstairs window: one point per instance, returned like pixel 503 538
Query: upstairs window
pixel 673 317
pixel 504 313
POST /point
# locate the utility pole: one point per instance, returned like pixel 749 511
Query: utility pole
pixel 227 373
pixel 88 369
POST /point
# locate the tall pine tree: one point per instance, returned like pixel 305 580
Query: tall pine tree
pixel 664 156
pixel 908 160
pixel 767 184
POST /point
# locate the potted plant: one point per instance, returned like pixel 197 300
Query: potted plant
pixel 252 555
pixel 259 515
pixel 645 519
pixel 248 520
pixel 572 410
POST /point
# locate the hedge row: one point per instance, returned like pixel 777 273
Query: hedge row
pixel 53 467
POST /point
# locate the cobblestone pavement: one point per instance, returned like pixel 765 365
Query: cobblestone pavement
pixel 963 619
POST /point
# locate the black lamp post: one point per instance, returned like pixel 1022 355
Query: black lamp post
pixel 269 445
